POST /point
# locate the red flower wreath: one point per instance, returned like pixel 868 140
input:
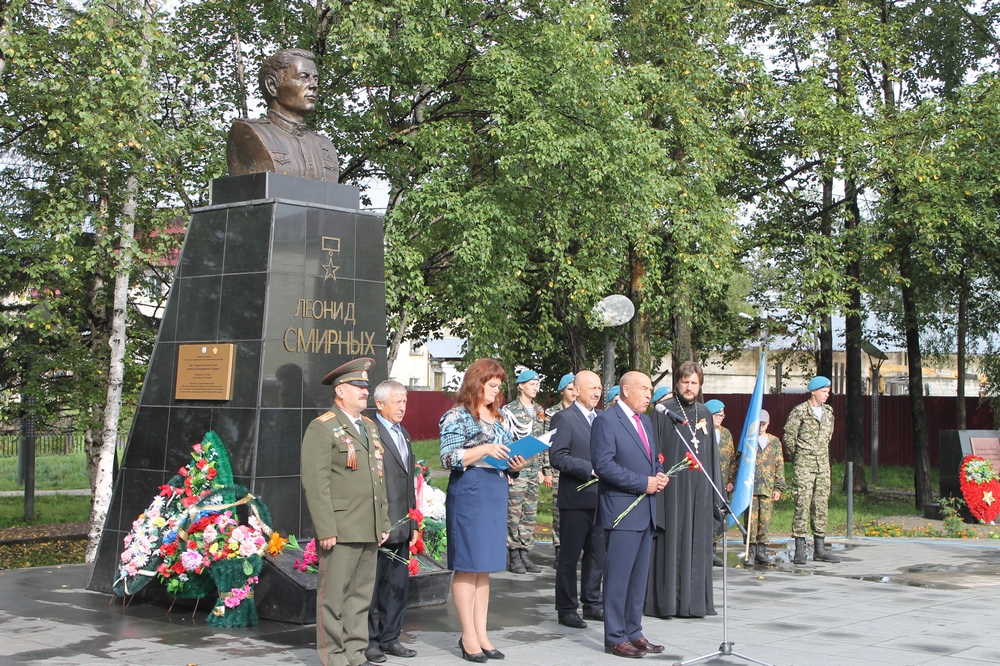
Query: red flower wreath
pixel 980 488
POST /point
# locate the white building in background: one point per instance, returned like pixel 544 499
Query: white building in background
pixel 429 365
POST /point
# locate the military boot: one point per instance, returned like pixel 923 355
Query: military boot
pixel 716 560
pixel 820 553
pixel 515 565
pixel 800 551
pixel 761 557
pixel 529 566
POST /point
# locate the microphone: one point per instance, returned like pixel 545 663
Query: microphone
pixel 673 417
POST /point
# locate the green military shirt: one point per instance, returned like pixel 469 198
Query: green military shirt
pixel 729 456
pixel 807 436
pixel 342 476
pixel 769 474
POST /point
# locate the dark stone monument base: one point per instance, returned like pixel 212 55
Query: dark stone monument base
pixel 291 273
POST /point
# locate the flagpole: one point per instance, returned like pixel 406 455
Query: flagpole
pixel 746 554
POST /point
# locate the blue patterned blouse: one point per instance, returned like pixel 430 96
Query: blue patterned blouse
pixel 460 431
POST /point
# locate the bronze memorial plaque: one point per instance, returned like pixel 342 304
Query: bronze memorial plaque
pixel 988 448
pixel 205 372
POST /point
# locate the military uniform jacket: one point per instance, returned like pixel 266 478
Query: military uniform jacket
pixel 274 143
pixel 729 456
pixel 522 421
pixel 807 436
pixel 770 472
pixel 345 501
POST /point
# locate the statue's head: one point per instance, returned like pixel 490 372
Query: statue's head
pixel 288 81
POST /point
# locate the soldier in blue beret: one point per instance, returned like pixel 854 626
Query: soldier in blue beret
pixel 524 417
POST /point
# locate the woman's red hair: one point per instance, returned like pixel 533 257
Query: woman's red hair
pixel 470 395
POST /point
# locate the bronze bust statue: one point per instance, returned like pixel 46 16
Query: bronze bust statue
pixel 279 141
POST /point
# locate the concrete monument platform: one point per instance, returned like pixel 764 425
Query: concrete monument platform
pixel 891 601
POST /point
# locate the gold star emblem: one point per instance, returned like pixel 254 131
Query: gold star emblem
pixel 988 498
pixel 331 270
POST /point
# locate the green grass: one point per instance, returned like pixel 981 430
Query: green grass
pixel 51 473
pixel 428 450
pixel 49 509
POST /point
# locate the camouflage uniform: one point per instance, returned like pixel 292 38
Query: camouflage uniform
pixel 554 473
pixel 769 476
pixel 729 457
pixel 522 503
pixel 808 442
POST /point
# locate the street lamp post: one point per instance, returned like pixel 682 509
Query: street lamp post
pixel 612 312
pixel 875 359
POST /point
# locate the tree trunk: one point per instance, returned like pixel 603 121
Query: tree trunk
pixel 963 297
pixel 855 450
pixel 638 349
pixel 682 349
pixel 824 364
pixel 577 338
pixel 918 416
pixel 397 340
pixel 104 481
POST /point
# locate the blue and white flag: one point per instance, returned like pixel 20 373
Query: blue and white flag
pixel 743 487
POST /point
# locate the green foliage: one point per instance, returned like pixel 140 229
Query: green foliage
pixel 51 473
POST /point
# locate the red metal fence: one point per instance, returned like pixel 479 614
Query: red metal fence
pixel 424 410
pixel 895 434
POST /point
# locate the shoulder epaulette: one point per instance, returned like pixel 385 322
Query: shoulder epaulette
pixel 326 417
pixel 366 419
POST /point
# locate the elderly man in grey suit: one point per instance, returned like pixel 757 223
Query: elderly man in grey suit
pixel 392 583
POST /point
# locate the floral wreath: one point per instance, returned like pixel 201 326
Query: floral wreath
pixel 980 488
pixel 190 538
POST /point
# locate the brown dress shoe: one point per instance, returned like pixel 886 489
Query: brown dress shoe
pixel 646 646
pixel 625 649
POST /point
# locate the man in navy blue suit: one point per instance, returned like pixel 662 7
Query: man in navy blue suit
pixel 623 456
pixel 570 454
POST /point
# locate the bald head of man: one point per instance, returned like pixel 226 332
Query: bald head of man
pixel 637 390
pixel 589 386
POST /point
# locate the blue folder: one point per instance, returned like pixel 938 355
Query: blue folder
pixel 526 447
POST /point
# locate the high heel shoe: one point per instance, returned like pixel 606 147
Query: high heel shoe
pixel 479 657
pixel 493 654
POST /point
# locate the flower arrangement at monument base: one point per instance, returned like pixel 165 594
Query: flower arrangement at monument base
pixel 191 538
pixel 980 487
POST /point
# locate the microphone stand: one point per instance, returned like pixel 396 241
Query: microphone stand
pixel 726 648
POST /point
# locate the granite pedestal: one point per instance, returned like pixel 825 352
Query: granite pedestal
pixel 291 272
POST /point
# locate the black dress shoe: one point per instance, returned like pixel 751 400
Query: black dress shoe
pixel 597 615
pixel 397 649
pixel 572 620
pixel 374 655
pixel 716 561
pixel 493 654
pixel 479 657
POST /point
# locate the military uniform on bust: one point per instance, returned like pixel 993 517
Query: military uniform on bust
pixel 522 502
pixel 343 480
pixel 808 432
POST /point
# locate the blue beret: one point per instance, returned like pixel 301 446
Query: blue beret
pixel 566 380
pixel 526 376
pixel 715 406
pixel 818 383
pixel 661 393
pixel 613 392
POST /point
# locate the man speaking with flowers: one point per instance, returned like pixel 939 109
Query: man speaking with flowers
pixel 623 455
pixel 342 474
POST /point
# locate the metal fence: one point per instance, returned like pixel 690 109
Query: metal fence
pixel 48 444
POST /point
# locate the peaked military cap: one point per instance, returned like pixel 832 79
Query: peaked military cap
pixel 353 372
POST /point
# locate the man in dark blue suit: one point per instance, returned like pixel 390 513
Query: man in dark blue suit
pixel 622 455
pixel 570 454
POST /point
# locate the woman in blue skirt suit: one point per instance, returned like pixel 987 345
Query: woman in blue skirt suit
pixel 476 506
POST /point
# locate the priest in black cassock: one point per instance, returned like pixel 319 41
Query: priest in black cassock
pixel 687 512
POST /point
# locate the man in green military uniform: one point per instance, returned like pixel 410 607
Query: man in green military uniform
pixel 807 438
pixel 342 476
pixel 567 394
pixel 768 484
pixel 524 417
pixel 729 460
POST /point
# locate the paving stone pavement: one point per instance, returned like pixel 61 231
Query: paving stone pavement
pixel 891 601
